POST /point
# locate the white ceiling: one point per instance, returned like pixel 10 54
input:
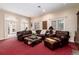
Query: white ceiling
pixel 31 9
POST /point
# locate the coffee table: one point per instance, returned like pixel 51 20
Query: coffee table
pixel 32 40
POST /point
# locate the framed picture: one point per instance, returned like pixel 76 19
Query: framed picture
pixel 44 25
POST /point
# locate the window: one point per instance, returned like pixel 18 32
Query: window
pixel 10 26
pixel 36 26
pixel 24 24
pixel 58 24
pixel 54 24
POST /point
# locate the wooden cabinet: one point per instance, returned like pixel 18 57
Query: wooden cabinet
pixel 78 22
pixel 76 39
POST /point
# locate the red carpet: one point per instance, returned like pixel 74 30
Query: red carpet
pixel 15 47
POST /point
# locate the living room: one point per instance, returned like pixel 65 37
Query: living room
pixel 39 16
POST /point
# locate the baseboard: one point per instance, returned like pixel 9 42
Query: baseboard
pixel 2 39
pixel 72 42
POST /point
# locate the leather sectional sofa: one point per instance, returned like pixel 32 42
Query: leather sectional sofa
pixel 60 39
pixel 22 34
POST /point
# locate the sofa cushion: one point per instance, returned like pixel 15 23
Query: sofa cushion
pixel 38 31
pixel 62 34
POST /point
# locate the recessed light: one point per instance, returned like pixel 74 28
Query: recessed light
pixel 39 6
pixel 44 10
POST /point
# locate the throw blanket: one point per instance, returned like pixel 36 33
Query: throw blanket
pixel 51 41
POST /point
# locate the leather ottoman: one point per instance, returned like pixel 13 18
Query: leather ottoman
pixel 52 43
pixel 32 40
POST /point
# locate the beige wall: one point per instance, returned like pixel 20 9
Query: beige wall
pixel 1 25
pixel 69 15
pixel 70 18
pixel 3 15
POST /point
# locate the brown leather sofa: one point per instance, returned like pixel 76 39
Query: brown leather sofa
pixel 38 32
pixel 22 34
pixel 60 39
pixel 64 37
